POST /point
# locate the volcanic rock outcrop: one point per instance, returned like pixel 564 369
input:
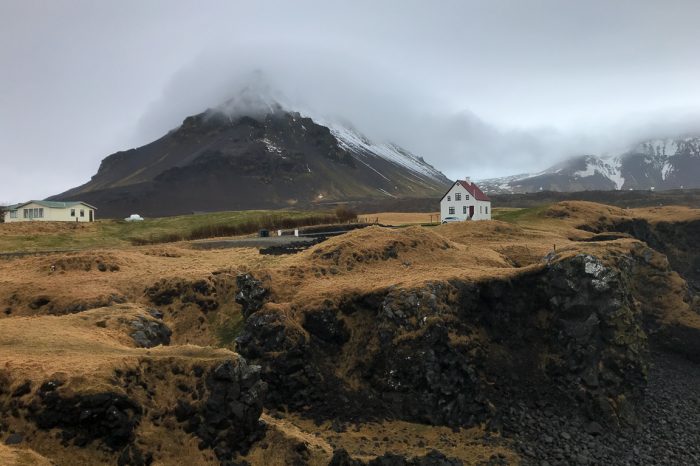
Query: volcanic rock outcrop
pixel 453 353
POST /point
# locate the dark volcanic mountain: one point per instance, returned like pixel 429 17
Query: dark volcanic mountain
pixel 659 164
pixel 263 160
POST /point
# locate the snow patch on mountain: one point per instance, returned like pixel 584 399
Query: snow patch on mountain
pixel 358 144
pixel 610 168
pixel 665 170
pixel 271 147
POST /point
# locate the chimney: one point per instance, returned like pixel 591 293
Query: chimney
pixel 468 180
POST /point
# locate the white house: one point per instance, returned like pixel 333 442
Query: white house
pixel 50 211
pixel 465 201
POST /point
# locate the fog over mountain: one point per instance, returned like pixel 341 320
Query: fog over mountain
pixel 484 89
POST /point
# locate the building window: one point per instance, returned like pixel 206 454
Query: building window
pixel 449 198
pixel 452 210
pixel 82 212
pixel 466 197
pixel 40 212
pixel 26 213
pixel 487 209
pixel 458 196
pixel 464 209
pixel 13 214
pixel 72 212
pixel 481 209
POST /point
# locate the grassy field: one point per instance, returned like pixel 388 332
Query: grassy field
pixel 517 215
pixel 401 218
pixel 40 236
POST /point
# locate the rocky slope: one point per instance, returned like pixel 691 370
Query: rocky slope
pixel 254 157
pixel 568 337
pixel 672 163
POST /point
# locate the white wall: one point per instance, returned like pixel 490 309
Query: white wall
pixel 482 209
pixel 53 214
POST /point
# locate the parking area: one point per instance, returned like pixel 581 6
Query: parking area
pixel 256 242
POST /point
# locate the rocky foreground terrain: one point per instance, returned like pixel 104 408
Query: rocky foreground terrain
pixel 568 335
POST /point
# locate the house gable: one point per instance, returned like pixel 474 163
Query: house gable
pixel 471 188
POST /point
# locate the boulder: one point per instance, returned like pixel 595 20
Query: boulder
pixel 251 294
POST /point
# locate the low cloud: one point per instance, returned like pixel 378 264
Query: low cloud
pixel 387 106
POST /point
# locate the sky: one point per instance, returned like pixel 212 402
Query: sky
pixel 478 88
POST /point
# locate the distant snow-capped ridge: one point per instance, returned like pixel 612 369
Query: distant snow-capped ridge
pixel 364 150
pixel 666 163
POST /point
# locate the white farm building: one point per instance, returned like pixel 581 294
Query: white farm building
pixel 50 211
pixel 465 201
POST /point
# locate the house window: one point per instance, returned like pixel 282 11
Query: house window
pixel 464 209
pixel 487 209
pixel 452 210
pixel 72 212
pixel 13 214
pixel 449 198
pixel 458 196
pixel 466 197
pixel 82 212
pixel 40 212
pixel 26 213
pixel 481 209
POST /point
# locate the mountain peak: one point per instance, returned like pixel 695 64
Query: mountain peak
pixel 256 99
pixel 661 163
pixel 252 152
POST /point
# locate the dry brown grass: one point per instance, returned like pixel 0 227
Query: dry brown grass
pixel 398 437
pixel 362 261
pixel 84 356
pixel 77 278
pixel 74 348
pixel 46 228
pixel 21 457
pixel 71 346
pixel 401 218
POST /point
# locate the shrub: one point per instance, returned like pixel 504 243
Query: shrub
pixel 345 214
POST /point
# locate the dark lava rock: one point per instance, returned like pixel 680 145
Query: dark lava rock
pixel 667 431
pixel 38 302
pixel 226 418
pixel 149 333
pixel 325 325
pixel 105 416
pixel 14 439
pixel 251 294
pixel 457 353
pixel 199 292
pixel 23 389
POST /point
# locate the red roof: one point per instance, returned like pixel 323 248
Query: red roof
pixel 472 189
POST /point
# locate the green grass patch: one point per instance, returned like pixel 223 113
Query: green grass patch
pixel 515 215
pixel 119 233
pixel 229 330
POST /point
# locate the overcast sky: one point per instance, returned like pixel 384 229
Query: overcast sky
pixel 480 88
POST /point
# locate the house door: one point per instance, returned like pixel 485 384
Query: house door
pixel 90 215
pixel 471 211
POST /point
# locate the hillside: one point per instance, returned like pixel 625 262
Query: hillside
pixel 661 164
pixel 574 324
pixel 266 158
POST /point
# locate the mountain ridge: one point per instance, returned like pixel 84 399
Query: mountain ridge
pixel 254 155
pixel 662 163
